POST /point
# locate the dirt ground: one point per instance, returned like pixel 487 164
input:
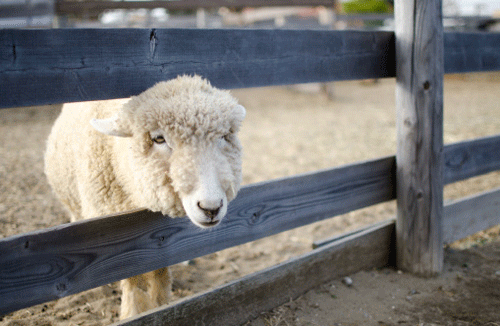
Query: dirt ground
pixel 285 133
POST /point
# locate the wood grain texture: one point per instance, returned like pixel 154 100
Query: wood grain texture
pixel 469 52
pixel 462 218
pixel 470 215
pixel 419 106
pixel 55 66
pixel 327 241
pixel 68 65
pixel 471 158
pixel 246 298
pixel 56 262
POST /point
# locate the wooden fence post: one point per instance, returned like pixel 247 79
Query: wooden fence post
pixel 419 105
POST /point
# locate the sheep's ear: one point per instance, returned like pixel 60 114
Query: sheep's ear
pixel 239 112
pixel 110 127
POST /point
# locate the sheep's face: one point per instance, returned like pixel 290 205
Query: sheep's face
pixel 206 176
pixel 183 150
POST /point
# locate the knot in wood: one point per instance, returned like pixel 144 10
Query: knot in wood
pixel 161 241
pixel 420 194
pixel 255 217
pixel 61 287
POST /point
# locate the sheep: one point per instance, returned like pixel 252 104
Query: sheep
pixel 173 148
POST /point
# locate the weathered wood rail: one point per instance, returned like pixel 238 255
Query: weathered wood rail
pixel 101 64
pixel 54 66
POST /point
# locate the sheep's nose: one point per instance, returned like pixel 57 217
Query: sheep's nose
pixel 210 212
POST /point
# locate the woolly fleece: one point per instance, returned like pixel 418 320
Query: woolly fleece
pixel 94 174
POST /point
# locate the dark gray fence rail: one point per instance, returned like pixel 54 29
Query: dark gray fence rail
pixel 56 262
pixel 40 67
pixel 71 258
pixel 55 66
pixel 471 158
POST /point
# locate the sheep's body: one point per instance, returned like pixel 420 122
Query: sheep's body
pixel 79 162
pixel 175 151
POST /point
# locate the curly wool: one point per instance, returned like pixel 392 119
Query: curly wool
pixel 172 149
pixel 95 174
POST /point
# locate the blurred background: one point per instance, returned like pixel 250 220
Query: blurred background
pixel 464 15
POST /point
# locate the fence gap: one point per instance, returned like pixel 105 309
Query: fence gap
pixel 419 106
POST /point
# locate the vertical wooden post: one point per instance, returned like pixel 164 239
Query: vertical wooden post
pixel 419 105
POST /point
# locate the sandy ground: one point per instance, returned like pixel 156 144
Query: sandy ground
pixel 285 133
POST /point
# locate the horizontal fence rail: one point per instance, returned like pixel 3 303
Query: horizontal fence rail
pixel 471 215
pixel 365 249
pixel 47 66
pixel 71 258
pixel 67 65
pixel 471 52
pixel 471 158
pixel 67 259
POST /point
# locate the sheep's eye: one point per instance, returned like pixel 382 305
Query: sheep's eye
pixel 159 139
pixel 226 137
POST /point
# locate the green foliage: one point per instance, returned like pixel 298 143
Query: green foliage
pixel 366 6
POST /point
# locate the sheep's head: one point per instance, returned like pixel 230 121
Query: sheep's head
pixel 183 150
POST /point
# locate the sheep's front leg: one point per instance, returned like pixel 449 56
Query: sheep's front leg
pixel 143 292
pixel 159 285
pixel 134 299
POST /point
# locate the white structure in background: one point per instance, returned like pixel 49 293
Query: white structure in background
pixel 279 15
pixel 134 18
pixel 26 13
pixel 450 9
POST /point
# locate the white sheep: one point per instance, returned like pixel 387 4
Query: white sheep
pixel 175 150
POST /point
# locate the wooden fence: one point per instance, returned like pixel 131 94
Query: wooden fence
pixel 54 66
